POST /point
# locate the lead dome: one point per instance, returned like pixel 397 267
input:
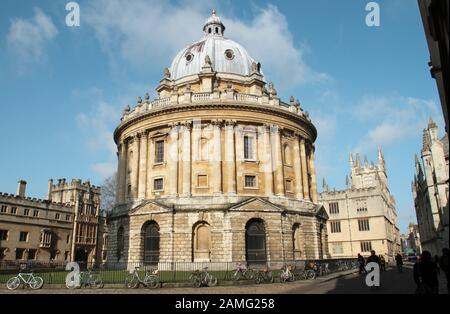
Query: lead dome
pixel 226 55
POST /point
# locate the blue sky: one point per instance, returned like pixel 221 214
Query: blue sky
pixel 62 89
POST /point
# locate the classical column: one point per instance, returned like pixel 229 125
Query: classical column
pixel 304 169
pixel 230 158
pixel 277 160
pixel 266 159
pixel 297 169
pixel 186 158
pixel 172 159
pixel 121 171
pixel 143 157
pixel 312 172
pixel 217 158
pixel 134 175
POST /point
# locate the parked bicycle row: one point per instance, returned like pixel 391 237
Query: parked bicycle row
pixel 150 278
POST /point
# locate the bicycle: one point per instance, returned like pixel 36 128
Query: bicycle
pixel 200 278
pixel 34 282
pixel 133 281
pixel 264 275
pixel 88 278
pixel 286 274
pixel 243 272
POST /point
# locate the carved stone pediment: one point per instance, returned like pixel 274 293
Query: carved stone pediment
pixel 321 212
pixel 256 204
pixel 148 207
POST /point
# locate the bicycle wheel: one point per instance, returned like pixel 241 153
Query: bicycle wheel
pixel 249 274
pixel 37 283
pixel 211 281
pixel 151 281
pixel 236 276
pixel 310 274
pixel 196 282
pixel 96 282
pixel 13 283
pixel 283 277
pixel 132 282
pixel 258 278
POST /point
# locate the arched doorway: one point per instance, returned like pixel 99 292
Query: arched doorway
pixel 297 242
pixel 151 243
pixel 255 242
pixel 201 242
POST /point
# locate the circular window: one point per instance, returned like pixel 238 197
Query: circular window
pixel 189 57
pixel 229 54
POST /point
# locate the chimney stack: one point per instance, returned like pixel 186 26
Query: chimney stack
pixel 50 188
pixel 21 186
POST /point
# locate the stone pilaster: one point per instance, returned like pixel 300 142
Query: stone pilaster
pixel 134 174
pixel 122 172
pixel 277 160
pixel 266 159
pixel 230 158
pixel 312 170
pixel 173 158
pixel 298 169
pixel 304 169
pixel 143 157
pixel 217 157
pixel 186 158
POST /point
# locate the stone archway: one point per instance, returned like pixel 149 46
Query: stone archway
pixel 151 242
pixel 201 246
pixel 255 242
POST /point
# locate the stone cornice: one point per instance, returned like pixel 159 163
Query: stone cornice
pixel 272 110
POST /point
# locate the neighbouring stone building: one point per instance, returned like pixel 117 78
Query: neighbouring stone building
pixel 411 240
pixel 67 226
pixel 363 216
pixel 430 190
pixel 217 168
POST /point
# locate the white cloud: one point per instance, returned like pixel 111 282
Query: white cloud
pixel 105 169
pixel 98 126
pixel 148 34
pixel 27 38
pixel 395 118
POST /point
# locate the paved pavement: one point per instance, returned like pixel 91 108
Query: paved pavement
pixel 349 282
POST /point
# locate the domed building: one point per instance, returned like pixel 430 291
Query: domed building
pixel 217 168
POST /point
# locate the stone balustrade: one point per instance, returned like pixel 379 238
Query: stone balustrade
pixel 226 96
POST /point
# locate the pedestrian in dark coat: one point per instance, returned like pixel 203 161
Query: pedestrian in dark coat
pixel 425 275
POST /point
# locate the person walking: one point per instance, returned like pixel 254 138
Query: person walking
pixel 382 263
pixel 361 264
pixel 373 258
pixel 399 262
pixel 425 275
pixel 443 264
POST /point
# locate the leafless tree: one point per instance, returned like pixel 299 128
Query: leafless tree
pixel 108 197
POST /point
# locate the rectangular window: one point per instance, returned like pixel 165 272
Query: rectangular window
pixel 57 216
pixel 202 181
pixel 158 184
pixel 288 185
pixel 13 210
pixel 363 225
pixel 361 205
pixel 250 181
pixel 26 212
pixel 3 209
pixel 23 236
pixel 335 226
pixel 334 208
pixel 248 148
pixel 68 238
pixel 3 235
pixel 19 253
pixel 66 255
pixel 159 152
pixel 366 246
pixel 67 217
pixel 35 213
pixel 32 253
pixel 2 253
pixel 337 248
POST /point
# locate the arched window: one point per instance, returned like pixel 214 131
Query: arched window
pixel 203 149
pixel 255 242
pixel 201 243
pixel 151 243
pixel 217 30
pixel 287 155
pixel 120 242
